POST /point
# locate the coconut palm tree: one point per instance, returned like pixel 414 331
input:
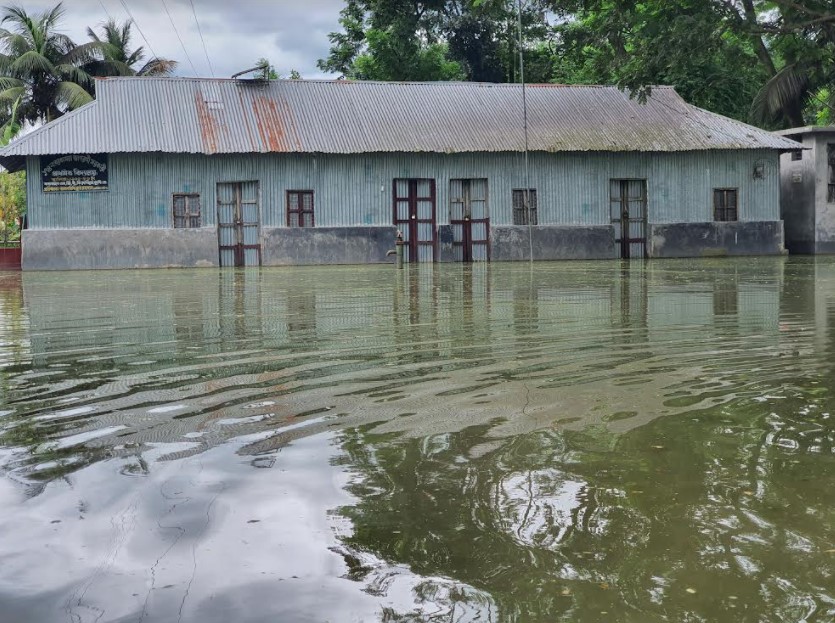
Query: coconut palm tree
pixel 117 59
pixel 40 67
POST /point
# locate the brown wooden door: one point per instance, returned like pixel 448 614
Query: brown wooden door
pixel 414 216
pixel 469 219
pixel 238 224
pixel 628 201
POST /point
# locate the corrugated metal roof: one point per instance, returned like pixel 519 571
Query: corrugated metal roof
pixel 202 116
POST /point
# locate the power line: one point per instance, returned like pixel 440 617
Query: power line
pixel 525 123
pixel 200 32
pixel 176 32
pixel 141 34
pixel 106 12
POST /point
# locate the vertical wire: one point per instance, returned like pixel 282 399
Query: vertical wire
pixel 525 122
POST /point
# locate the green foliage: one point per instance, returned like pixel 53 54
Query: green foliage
pixel 266 70
pixel 772 62
pixel 44 74
pixel 41 68
pixel 683 43
pixel 12 204
pixel 823 107
pixel 431 39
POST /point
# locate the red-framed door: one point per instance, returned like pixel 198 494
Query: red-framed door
pixel 470 220
pixel 238 224
pixel 414 216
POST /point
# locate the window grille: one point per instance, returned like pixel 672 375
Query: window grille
pixel 520 211
pixel 186 211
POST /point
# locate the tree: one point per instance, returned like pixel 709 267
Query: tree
pixel 683 43
pixel 768 61
pixel 763 60
pixel 117 58
pixel 390 40
pixel 436 40
pixel 266 70
pixel 41 68
pixel 12 203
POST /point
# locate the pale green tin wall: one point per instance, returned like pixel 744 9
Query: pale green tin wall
pixel 573 188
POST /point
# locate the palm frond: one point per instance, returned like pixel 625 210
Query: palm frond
pixel 93 35
pixel 83 53
pixel 5 62
pixel 15 44
pixel 72 94
pixel 75 74
pixel 11 94
pixel 50 19
pixel 31 62
pixel 11 83
pixel 61 43
pixel 788 88
pixel 107 67
pixel 158 67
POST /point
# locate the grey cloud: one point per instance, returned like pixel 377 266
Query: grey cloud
pixel 292 34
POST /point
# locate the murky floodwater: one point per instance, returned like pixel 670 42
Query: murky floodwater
pixel 562 442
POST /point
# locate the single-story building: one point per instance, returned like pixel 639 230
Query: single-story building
pixel 808 190
pixel 197 172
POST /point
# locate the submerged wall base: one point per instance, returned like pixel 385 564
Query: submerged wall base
pixel 289 246
pixel 79 249
pixel 510 243
pixel 67 249
pixel 716 239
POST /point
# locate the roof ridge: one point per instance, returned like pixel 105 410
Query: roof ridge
pixel 345 81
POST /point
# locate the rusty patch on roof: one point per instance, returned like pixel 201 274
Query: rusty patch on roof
pixel 208 125
pixel 275 124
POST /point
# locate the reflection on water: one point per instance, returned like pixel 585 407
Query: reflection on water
pixel 572 441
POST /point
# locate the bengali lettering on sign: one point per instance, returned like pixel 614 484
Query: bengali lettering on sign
pixel 74 173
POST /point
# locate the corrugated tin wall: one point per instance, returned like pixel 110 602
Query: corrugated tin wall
pixel 572 189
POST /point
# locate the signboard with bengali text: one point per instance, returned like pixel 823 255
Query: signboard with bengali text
pixel 74 173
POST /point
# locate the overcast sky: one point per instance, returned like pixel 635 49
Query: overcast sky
pixel 293 34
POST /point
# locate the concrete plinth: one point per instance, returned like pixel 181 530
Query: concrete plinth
pixel 79 249
pixel 288 246
pixel 716 239
pixel 552 242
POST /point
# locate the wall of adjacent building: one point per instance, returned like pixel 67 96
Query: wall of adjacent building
pixel 808 215
pixel 823 209
pixel 797 197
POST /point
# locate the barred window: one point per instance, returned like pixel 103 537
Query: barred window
pixel 520 211
pixel 300 208
pixel 797 154
pixel 725 204
pixel 186 211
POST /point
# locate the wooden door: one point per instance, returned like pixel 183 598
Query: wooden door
pixel 414 216
pixel 238 224
pixel 628 201
pixel 470 220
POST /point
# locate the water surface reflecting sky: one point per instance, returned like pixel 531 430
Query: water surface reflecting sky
pixel 579 441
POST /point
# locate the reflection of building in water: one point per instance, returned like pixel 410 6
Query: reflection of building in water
pixel 14 322
pixel 218 353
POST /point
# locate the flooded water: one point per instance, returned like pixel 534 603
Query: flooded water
pixel 558 442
